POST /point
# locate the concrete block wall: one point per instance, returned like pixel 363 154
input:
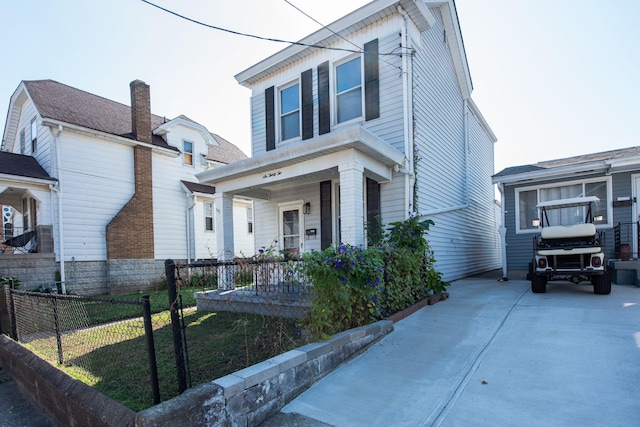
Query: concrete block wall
pixel 32 269
pixel 252 395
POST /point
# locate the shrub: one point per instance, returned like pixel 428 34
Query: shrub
pixel 355 286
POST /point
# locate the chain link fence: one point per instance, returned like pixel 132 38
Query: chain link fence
pixel 144 350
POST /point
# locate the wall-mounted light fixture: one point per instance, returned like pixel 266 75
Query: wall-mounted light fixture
pixel 307 208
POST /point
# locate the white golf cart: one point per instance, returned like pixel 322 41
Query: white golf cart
pixel 573 252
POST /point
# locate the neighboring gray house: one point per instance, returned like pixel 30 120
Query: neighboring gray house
pixel 612 176
pixel 369 116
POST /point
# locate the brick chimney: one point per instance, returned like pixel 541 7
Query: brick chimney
pixel 130 232
pixel 141 111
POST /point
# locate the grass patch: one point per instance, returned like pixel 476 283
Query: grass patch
pixel 112 357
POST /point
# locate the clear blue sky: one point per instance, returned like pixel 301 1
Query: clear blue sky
pixel 553 78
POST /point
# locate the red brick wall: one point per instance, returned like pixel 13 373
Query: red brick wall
pixel 130 232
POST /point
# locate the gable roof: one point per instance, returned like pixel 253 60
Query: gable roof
pixel 67 104
pixel 417 10
pixel 585 163
pixel 195 187
pixel 21 165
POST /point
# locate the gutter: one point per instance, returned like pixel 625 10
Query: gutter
pixel 410 177
pixel 52 123
pixel 502 230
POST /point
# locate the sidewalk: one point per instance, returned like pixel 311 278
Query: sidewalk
pixel 16 410
pixel 492 354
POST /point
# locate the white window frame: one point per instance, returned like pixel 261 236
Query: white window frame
pixel 288 206
pixel 205 215
pixel 517 191
pixel 250 222
pixel 34 135
pixel 280 114
pixel 335 94
pixel 185 152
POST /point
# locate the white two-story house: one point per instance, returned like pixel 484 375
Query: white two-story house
pixel 370 116
pixel 103 193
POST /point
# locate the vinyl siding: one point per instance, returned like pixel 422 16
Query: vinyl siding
pixel 267 220
pixel 97 181
pixel 464 238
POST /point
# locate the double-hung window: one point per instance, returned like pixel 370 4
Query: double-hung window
pixel 527 200
pixel 208 216
pixel 187 153
pixel 290 112
pixel 34 136
pixel 349 90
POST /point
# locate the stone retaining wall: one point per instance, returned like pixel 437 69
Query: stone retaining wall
pixel 245 398
pixel 252 395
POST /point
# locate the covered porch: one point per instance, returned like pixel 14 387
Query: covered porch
pixel 309 194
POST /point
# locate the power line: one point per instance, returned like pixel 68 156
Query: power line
pixel 238 33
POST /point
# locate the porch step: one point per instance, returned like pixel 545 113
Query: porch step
pixel 625 272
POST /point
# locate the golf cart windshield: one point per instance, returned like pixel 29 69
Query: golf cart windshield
pixel 577 210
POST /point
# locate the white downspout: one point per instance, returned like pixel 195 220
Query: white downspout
pixel 58 190
pixel 408 114
pixel 502 229
pixel 191 203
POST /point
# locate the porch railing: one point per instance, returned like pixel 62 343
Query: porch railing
pixel 268 276
pixel 624 233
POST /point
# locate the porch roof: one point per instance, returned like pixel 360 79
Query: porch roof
pixel 353 137
pixel 23 166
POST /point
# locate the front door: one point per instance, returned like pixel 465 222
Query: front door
pixel 291 226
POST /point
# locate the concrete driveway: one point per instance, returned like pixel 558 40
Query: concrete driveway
pixel 492 354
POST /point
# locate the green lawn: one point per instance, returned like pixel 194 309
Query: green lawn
pixel 112 356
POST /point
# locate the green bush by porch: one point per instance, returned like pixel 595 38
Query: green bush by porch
pixel 354 286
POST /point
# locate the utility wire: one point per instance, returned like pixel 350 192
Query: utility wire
pixel 238 33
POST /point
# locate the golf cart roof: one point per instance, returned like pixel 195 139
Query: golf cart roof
pixel 568 203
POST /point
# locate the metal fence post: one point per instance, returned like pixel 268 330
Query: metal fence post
pixel 12 309
pixel 151 348
pixel 170 272
pixel 56 323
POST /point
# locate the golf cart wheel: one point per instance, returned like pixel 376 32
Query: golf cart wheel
pixel 602 284
pixel 538 284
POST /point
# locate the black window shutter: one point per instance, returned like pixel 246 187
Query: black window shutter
pixel 307 104
pixel 324 111
pixel 371 81
pixel 326 222
pixel 373 211
pixel 270 119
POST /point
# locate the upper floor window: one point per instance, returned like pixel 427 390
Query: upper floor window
pixel 187 153
pixel 349 90
pixel 34 136
pixel 23 142
pixel 290 112
pixel 527 200
pixel 208 216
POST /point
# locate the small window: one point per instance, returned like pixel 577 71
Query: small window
pixel 23 142
pixel 208 216
pixel 250 220
pixel 34 136
pixel 187 153
pixel 290 112
pixel 349 90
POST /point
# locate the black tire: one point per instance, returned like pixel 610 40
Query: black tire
pixel 538 284
pixel 602 284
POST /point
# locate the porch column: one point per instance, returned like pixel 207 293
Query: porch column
pixel 351 203
pixel 224 226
